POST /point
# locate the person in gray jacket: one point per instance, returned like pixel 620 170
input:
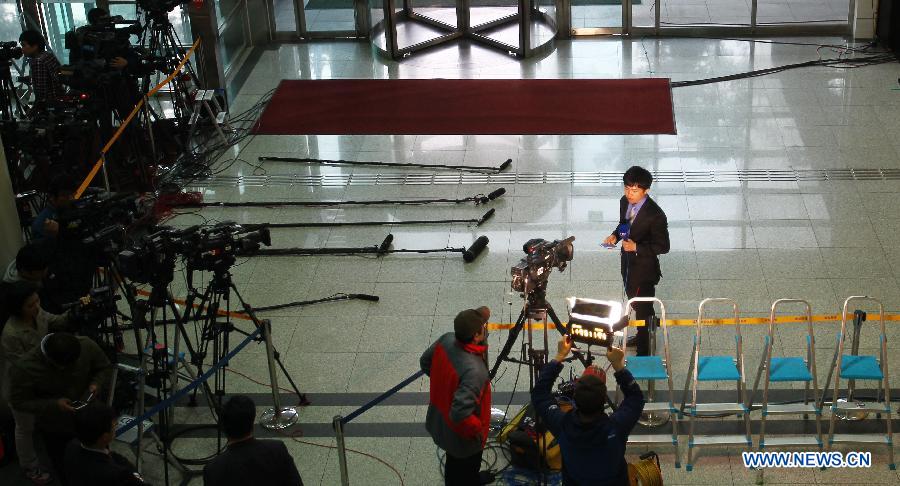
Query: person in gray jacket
pixel 28 323
pixel 459 404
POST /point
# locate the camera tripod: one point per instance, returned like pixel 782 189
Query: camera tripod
pixel 216 327
pixel 160 363
pixel 535 308
pixel 163 44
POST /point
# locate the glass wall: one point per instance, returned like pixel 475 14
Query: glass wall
pixel 804 11
pixel 604 16
pixel 329 15
pixel 705 12
pixel 598 14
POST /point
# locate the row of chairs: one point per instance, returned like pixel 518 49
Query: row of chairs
pixel 850 367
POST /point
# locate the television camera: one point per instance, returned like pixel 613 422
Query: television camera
pixel 10 50
pixel 541 258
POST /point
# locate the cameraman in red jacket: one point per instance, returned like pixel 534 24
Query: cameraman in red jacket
pixel 459 408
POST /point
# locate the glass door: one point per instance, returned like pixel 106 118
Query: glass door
pixel 734 17
pixel 597 17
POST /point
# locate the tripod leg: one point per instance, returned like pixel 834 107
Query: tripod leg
pixel 249 311
pixel 507 347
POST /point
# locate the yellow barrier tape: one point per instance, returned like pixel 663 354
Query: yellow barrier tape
pixel 96 168
pixel 498 326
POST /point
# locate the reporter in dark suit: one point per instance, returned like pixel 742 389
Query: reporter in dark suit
pixel 247 460
pixel 647 238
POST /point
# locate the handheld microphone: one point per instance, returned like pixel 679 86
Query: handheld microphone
pixel 623 230
pixel 504 165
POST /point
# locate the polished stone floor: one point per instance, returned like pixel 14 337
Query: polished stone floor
pixel 752 239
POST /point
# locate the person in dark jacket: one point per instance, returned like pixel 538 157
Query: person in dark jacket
pixel 592 444
pixel 247 460
pixel 646 236
pixel 459 402
pixel 49 378
pixel 88 460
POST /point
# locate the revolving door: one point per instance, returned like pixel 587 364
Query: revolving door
pixel 522 28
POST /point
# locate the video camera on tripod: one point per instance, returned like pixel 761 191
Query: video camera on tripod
pixel 159 6
pixel 46 145
pixel 542 256
pixel 100 217
pixel 10 50
pixel 92 48
pixel 89 312
pixel 216 248
pixel 152 259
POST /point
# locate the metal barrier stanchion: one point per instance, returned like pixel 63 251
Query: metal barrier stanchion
pixel 339 422
pixel 103 168
pixel 277 417
pixel 342 449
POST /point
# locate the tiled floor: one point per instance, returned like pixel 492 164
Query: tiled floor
pixel 752 241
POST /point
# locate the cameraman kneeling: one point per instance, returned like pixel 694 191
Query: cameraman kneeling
pixel 592 443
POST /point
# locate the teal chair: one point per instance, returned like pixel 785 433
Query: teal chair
pixel 787 369
pixel 651 369
pixel 852 367
pixel 715 368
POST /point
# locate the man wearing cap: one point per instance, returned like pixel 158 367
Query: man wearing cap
pixel 459 405
pixel 592 443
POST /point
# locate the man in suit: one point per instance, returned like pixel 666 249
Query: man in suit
pixel 247 460
pixel 644 232
pixel 88 460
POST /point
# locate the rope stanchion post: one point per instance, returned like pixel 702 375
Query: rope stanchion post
pixel 342 449
pixel 103 168
pixel 339 422
pixel 277 417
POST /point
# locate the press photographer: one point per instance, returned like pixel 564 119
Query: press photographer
pixel 44 75
pixel 103 48
pixel 592 442
pixel 90 230
pixel 27 325
pixel 48 382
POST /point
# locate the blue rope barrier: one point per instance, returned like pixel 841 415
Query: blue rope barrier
pixel 190 387
pixel 359 411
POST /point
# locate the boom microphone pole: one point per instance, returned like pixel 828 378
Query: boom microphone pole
pixel 469 254
pixel 476 222
pixel 464 168
pixel 477 199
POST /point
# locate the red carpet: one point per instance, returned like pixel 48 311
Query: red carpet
pixel 469 107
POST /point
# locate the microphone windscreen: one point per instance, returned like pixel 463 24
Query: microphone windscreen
pixel 477 247
pixel 370 298
pixel 496 194
pixel 486 216
pixel 386 243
